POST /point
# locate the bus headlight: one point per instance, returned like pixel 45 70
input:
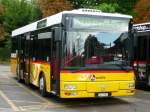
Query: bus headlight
pixel 131 85
pixel 70 86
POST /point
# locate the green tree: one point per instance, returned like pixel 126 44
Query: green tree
pixel 18 13
pixel 121 6
pixel 108 7
pixel 85 3
pixel 2 31
pixel 126 6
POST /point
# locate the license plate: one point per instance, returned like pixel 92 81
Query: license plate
pixel 102 94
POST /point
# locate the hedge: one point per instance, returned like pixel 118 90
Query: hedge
pixel 4 54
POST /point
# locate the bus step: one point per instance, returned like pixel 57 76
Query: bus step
pixel 53 92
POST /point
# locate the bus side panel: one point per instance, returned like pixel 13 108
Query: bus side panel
pixel 34 73
pixel 46 69
pixel 36 69
pixel 13 62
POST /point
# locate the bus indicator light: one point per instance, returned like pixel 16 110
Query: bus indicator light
pixel 131 85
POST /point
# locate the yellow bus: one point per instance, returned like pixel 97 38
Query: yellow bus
pixel 82 53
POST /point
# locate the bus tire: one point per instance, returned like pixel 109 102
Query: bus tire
pixel 42 85
pixel 18 73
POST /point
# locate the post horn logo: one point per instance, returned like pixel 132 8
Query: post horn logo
pixel 92 77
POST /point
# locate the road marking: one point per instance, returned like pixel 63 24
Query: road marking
pixel 24 101
pixel 13 106
pixel 41 106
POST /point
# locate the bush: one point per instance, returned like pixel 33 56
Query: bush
pixel 4 54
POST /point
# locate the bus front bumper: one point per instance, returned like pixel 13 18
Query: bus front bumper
pixel 96 89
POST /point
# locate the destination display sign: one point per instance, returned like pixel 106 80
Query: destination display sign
pixel 142 27
pixel 41 24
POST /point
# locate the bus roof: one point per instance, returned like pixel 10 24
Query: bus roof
pixel 57 18
pixel 142 27
pixel 141 24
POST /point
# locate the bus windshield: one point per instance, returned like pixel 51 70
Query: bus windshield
pixel 94 43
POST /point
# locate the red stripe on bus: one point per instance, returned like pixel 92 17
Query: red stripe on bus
pixel 40 62
pixel 96 71
pixel 13 58
pixel 141 62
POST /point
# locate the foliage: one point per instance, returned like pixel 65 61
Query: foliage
pixel 2 31
pixel 124 6
pixel 18 13
pixel 5 54
pixel 121 6
pixel 142 11
pixel 85 3
pixel 50 7
pixel 1 9
pixel 107 7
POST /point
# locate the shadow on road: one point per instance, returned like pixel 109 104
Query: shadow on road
pixel 79 102
pixel 87 102
pixel 143 88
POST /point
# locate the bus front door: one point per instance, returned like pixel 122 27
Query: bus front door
pixel 55 67
pixel 55 61
pixel 20 59
pixel 26 58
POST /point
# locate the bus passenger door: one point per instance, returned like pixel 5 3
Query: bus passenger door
pixel 148 58
pixel 53 65
pixel 142 69
pixel 20 59
pixel 26 59
pixel 55 60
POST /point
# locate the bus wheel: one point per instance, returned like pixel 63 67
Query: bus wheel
pixel 18 73
pixel 42 85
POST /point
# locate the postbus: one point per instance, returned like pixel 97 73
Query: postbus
pixel 142 54
pixel 76 54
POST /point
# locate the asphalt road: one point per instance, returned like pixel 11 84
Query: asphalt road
pixel 17 97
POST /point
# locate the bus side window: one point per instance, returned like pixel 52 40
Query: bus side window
pixel 43 46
